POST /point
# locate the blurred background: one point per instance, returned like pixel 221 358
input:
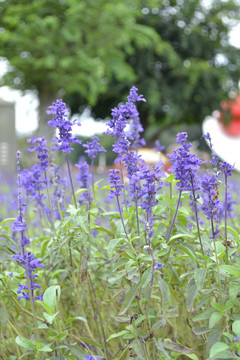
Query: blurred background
pixel 182 55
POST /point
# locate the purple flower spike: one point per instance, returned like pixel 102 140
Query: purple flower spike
pixel 227 168
pixel 126 114
pixel 42 151
pixel 133 96
pixel 90 357
pixel 26 259
pixel 64 126
pixel 115 182
pixel 158 266
pixel 93 147
pixel 236 338
pixel 158 146
pixel 185 165
pixel 208 137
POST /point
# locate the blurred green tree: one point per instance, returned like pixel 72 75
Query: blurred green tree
pixel 190 71
pixel 70 46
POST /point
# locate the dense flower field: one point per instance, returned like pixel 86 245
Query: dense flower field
pixel 143 265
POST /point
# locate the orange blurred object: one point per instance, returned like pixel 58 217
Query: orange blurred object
pixel 229 117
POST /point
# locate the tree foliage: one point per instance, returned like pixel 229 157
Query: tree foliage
pixel 192 68
pixel 175 51
pixel 69 46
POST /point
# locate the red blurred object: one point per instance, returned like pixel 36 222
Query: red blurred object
pixel 230 116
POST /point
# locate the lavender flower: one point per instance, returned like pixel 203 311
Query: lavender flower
pixel 133 96
pixel 93 147
pixel 33 183
pixel 26 259
pixel 83 178
pixel 115 182
pixel 208 137
pixel 90 357
pixel 211 205
pixel 185 166
pixel 148 197
pixel 158 146
pixel 64 126
pixel 30 265
pixel 121 117
pixel 42 151
pixel 227 168
pixel 158 266
pixel 184 163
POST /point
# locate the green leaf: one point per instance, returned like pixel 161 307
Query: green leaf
pixel 192 356
pixel 111 246
pixel 113 336
pixel 102 228
pixel 159 324
pixel 80 191
pixel 45 306
pixel 170 345
pixel 49 318
pixel 42 326
pixel 217 349
pixel 141 318
pixel 199 277
pixel 231 270
pixel 217 306
pixel 165 293
pixel 200 330
pixel 45 348
pixel 191 293
pixel 71 319
pixel 236 327
pixel 233 291
pixel 187 251
pixel 146 278
pixel 179 236
pixel 25 343
pixel 234 232
pixel 161 349
pixel 214 319
pixel 91 341
pixel 129 298
pixel 77 352
pixel 82 223
pixel 49 296
pixel 7 220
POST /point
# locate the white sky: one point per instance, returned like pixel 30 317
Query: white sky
pixel 26 105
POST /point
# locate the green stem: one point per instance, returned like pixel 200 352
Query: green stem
pixel 174 218
pixel 225 217
pixel 100 318
pixel 71 182
pixel 216 256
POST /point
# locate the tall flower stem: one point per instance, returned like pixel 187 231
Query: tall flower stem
pixel 100 317
pixel 120 212
pixel 124 191
pixel 75 202
pixel 196 213
pixel 49 202
pixel 175 215
pixel 92 173
pixel 152 274
pixel 216 257
pixel 32 302
pixel 71 182
pixel 199 233
pixel 138 228
pixel 225 217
